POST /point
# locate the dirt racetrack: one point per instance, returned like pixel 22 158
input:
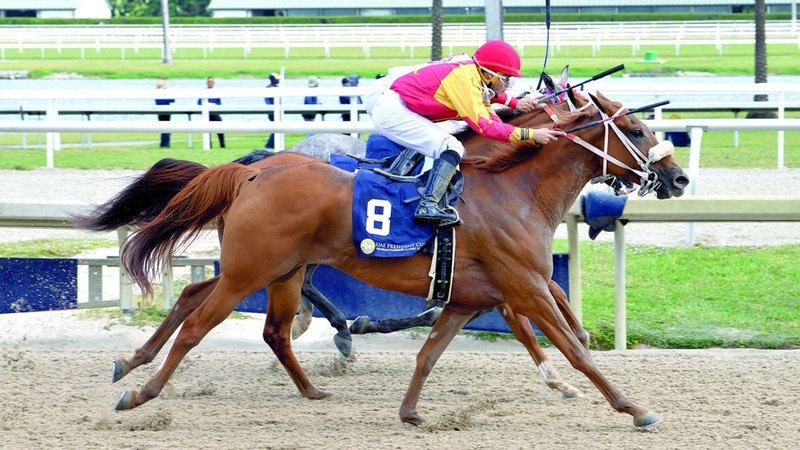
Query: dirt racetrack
pixel 57 393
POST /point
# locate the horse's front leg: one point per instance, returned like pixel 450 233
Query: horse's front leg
pixel 191 297
pixel 521 327
pixel 530 295
pixel 450 322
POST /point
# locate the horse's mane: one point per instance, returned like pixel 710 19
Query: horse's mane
pixel 508 155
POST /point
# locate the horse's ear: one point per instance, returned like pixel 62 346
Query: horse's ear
pixel 564 76
pixel 602 103
pixel 571 96
pixel 548 82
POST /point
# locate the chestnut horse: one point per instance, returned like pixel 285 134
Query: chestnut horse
pixel 143 199
pixel 290 215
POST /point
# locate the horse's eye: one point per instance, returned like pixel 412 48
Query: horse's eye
pixel 637 133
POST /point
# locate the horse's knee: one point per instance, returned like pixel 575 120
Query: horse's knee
pixel 272 336
pixel 581 360
pixel 190 335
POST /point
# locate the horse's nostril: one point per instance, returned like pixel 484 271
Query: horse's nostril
pixel 681 181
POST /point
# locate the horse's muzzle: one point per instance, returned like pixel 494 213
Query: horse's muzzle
pixel 673 181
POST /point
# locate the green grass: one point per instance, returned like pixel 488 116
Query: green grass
pixel 302 62
pixel 140 156
pixel 147 316
pixel 52 248
pixel 509 18
pixel 696 297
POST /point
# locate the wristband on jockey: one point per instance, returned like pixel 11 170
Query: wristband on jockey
pixel 526 134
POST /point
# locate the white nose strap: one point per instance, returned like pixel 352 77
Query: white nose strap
pixel 661 151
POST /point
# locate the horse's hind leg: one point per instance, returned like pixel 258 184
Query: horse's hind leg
pixel 450 322
pixel 284 296
pixel 563 305
pixel 312 295
pixel 191 297
pixel 521 327
pixel 219 305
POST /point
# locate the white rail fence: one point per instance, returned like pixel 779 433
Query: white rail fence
pixel 691 209
pixel 371 36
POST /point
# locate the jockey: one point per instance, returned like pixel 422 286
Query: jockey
pixel 404 105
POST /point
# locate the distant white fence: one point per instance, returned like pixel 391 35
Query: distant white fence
pixel 691 209
pixel 52 125
pixel 404 37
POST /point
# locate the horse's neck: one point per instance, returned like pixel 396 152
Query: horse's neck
pixel 549 181
pixel 557 175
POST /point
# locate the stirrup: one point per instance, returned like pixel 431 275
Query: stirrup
pixel 405 162
pixel 437 216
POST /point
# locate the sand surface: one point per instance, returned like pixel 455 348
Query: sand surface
pixel 232 393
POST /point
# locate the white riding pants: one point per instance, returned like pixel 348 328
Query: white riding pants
pixel 398 123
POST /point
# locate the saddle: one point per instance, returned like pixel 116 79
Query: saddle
pixel 389 184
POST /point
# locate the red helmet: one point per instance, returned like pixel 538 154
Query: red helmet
pixel 499 56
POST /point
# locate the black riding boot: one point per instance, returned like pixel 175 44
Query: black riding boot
pixel 405 162
pixel 429 210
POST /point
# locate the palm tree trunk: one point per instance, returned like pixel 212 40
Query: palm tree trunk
pixel 761 46
pixel 166 54
pixel 436 30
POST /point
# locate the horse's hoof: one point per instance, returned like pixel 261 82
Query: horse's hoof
pixel 430 316
pixel 125 401
pixel 316 394
pixel 300 325
pixel 412 418
pixel 359 326
pixel 343 342
pixel 572 394
pixel 119 370
pixel 647 420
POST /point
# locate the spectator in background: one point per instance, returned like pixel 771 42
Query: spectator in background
pixel 274 81
pixel 348 81
pixel 214 117
pixel 165 137
pixel 311 100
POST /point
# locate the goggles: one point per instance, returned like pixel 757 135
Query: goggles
pixel 503 78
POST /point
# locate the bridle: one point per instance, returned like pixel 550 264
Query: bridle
pixel 648 179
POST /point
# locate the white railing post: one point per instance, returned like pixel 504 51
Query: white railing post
pixel 354 113
pixel 781 115
pixel 658 114
pixel 125 284
pixel 204 116
pixel 51 136
pixel 167 284
pixel 279 137
pixel 574 268
pixel 189 142
pixel 696 137
pixel 620 295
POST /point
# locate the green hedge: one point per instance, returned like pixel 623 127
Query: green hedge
pixel 472 18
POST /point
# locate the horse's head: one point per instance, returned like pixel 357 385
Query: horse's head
pixel 649 163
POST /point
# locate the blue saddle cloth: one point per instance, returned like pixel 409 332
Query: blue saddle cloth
pixel 383 216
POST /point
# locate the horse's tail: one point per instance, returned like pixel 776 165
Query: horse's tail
pixel 142 200
pixel 205 198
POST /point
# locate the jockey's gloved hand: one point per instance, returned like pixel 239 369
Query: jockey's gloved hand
pixel 544 135
pixel 528 104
